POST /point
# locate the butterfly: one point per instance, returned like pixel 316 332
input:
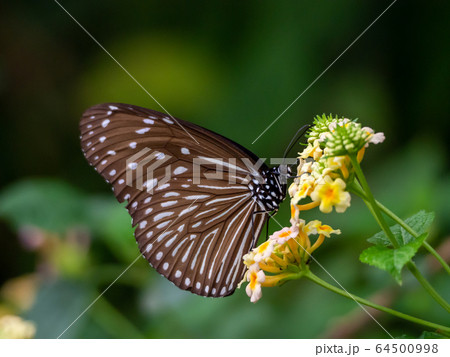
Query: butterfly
pixel 197 199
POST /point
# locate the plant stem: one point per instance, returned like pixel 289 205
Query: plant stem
pixel 442 329
pixel 370 200
pixel 375 209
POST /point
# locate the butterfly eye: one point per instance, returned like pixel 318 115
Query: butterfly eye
pixel 192 230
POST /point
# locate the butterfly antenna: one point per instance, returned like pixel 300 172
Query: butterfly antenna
pixel 300 132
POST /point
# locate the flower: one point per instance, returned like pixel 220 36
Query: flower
pixel 263 251
pixel 324 172
pixel 316 227
pixel 304 188
pixel 255 277
pixel 313 151
pixel 249 259
pixel 282 236
pixel 331 193
pixel 373 138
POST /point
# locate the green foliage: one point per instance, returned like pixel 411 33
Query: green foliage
pixel 49 204
pixel 392 260
pixel 420 223
pixel 58 303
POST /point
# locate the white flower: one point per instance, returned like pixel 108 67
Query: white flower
pixel 282 236
pixel 263 251
pixel 255 277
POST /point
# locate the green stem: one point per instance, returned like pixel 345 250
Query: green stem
pixel 442 329
pixel 375 209
pixel 370 200
pixel 402 223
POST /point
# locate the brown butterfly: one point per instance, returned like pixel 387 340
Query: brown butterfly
pixel 192 231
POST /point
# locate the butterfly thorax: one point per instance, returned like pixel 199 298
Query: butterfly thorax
pixel 269 190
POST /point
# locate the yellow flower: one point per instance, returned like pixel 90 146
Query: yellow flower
pixel 304 188
pixel 339 163
pixel 304 166
pixel 263 251
pixel 331 193
pixel 316 227
pixel 313 151
pixel 249 259
pixel 255 277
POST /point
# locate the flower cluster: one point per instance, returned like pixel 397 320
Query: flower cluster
pixel 325 166
pixel 324 171
pixel 283 255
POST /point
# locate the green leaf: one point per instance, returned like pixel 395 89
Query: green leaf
pixel 110 222
pixel 420 223
pixel 392 260
pixel 57 304
pixel 45 203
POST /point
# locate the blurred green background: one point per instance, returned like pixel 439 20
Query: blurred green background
pixel 231 67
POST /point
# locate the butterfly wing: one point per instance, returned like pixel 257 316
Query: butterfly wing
pixel 193 232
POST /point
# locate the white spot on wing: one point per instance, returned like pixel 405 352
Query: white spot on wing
pixel 150 184
pixel 187 210
pixel 102 139
pixel 185 151
pixel 142 131
pixel 168 121
pixel 132 145
pixel 168 203
pixel 163 224
pixel 159 255
pixel 142 224
pixel 149 121
pixel 179 170
pixel 113 107
pixel 149 247
pixel 177 274
pixel 162 187
pixel 112 172
pixel 160 156
pixel 162 215
pixel 196 197
pixel 105 123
